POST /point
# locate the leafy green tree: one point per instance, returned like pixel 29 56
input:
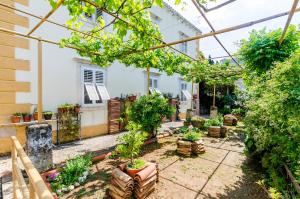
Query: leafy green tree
pixel 131 143
pixel 260 52
pixel 149 110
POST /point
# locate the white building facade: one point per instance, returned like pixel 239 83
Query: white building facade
pixel 65 73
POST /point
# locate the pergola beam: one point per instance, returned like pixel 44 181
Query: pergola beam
pixel 58 4
pixel 47 20
pixel 133 26
pixel 216 7
pixel 213 29
pixel 288 21
pixel 45 40
pixel 221 31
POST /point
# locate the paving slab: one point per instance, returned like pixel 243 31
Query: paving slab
pixel 213 142
pixel 213 154
pixel 190 172
pixel 232 183
pixel 235 159
pixel 170 190
pixel 233 145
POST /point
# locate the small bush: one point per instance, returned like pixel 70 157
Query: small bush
pixel 218 121
pixel 198 122
pixel 192 136
pixel 148 112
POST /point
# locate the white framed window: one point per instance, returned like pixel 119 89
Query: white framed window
pixel 154 84
pixel 184 45
pixel 184 93
pixel 94 91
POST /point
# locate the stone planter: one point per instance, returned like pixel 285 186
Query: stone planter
pixel 214 131
pixel 230 120
pixel 187 148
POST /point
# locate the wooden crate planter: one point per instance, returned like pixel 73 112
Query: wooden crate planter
pixel 114 114
pixel 230 120
pixel 187 148
pixel 141 185
pixel 214 131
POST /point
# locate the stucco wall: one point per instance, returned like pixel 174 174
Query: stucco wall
pixel 62 73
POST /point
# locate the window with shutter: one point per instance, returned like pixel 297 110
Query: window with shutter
pixel 184 93
pixel 94 91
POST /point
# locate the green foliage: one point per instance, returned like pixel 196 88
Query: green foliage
pixel 217 121
pixel 149 110
pixel 74 172
pixel 238 111
pixel 184 129
pixel 130 143
pixel 137 164
pixel 192 136
pixel 272 120
pixel 198 122
pixel 262 49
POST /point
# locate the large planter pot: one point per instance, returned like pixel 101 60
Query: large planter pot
pixel 223 131
pixel 132 172
pixel 15 119
pixel 230 120
pixel 187 148
pixel 214 131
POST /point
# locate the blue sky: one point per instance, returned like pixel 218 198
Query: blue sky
pixel 238 12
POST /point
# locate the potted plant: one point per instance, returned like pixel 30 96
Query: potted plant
pixel 214 126
pixel 47 115
pixel 148 111
pixel 16 118
pixel 190 142
pixel 198 122
pixel 132 97
pixel 35 115
pixel 130 146
pixel 66 107
pixel 26 117
pixel 77 108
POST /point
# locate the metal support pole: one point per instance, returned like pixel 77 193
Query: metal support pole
pixel 148 80
pixel 40 81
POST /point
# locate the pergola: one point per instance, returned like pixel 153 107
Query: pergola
pixel 163 44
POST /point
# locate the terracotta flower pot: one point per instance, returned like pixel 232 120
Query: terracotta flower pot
pixel 132 172
pixel 132 98
pixel 77 109
pixel 15 119
pixel 35 116
pixel 27 118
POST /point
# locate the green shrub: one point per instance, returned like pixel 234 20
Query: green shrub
pixel 272 120
pixel 130 143
pixel 74 172
pixel 198 122
pixel 148 112
pixel 192 136
pixel 238 111
pixel 218 121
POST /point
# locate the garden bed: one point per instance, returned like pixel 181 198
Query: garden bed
pixel 217 173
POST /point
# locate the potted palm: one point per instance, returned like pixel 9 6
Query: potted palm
pixel 16 118
pixel 130 146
